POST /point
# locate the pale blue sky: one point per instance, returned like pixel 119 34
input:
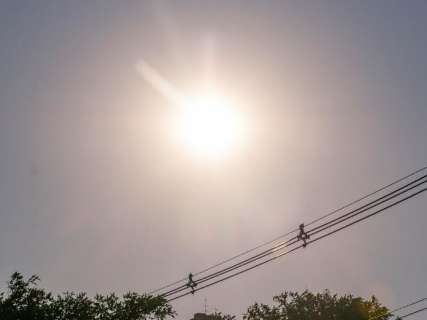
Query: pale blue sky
pixel 95 197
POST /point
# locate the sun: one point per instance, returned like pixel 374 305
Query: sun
pixel 209 126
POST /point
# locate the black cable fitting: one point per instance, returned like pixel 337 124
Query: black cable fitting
pixel 303 236
pixel 191 283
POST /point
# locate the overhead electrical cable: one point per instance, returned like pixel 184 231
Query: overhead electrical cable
pixel 411 313
pixel 241 264
pixel 278 248
pixel 300 246
pixel 347 217
pixel 362 209
pixel 269 252
pixel 293 230
pixel 398 309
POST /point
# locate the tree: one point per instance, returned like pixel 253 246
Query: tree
pixel 23 300
pixel 320 306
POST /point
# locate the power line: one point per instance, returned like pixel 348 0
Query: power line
pixel 265 253
pixel 412 313
pixel 398 309
pixel 370 215
pixel 301 246
pixel 292 241
pixel 368 195
pixel 353 215
pixel 408 305
pixel 292 231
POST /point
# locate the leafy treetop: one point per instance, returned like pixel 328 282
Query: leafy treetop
pixel 23 300
pixel 320 306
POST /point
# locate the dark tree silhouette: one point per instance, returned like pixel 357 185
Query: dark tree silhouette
pixel 23 300
pixel 321 306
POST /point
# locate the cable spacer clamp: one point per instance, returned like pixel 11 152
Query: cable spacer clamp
pixel 191 283
pixel 303 236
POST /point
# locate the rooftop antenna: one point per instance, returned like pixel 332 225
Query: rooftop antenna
pixel 206 305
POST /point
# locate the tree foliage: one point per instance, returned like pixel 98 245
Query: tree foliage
pixel 23 300
pixel 321 306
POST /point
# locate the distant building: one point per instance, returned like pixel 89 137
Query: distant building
pixel 204 316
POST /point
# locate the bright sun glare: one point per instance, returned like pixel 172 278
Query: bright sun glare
pixel 209 126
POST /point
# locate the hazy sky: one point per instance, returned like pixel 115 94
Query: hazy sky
pixel 96 196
